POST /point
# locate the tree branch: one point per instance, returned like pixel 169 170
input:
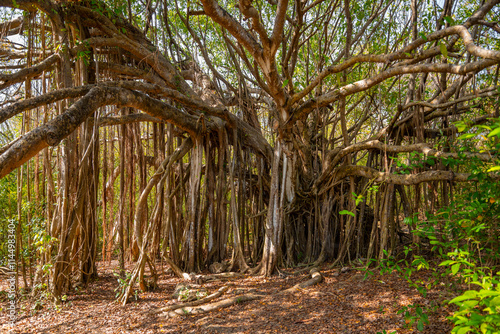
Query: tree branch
pixel 412 179
pixel 365 84
pixel 220 16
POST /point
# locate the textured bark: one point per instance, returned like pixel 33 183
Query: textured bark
pixel 192 310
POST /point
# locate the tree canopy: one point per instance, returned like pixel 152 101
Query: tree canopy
pixel 270 133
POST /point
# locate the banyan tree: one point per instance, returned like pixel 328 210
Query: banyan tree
pixel 262 133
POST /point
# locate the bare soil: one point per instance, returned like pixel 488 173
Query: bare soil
pixel 342 303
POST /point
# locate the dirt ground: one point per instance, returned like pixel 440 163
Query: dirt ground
pixel 341 303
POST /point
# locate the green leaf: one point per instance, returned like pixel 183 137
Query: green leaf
pixel 443 49
pixel 495 132
pixel 447 263
pixel 471 294
pixel 463 330
pixel 488 293
pixel 471 303
pixel 484 127
pixel 420 325
pixel 449 19
pixel 467 136
pixel 285 83
pixel 455 268
pixel 492 169
pixel 347 212
pixel 418 310
pixel 495 301
pixel 421 34
pixel 461 126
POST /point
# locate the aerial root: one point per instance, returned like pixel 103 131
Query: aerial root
pixel 200 279
pixel 191 310
pixel 200 306
pixel 213 296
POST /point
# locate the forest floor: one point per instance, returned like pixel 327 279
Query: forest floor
pixel 341 303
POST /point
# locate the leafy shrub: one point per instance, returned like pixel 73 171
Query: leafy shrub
pixel 479 311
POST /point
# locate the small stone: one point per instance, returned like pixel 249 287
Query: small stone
pixel 345 270
pixel 336 273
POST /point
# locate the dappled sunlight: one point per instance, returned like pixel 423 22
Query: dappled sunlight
pixel 250 166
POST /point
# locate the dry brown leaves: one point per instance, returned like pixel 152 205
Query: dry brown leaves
pixel 342 303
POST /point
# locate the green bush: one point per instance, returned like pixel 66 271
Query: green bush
pixel 479 311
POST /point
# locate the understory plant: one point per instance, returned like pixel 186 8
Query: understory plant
pixel 469 242
pixel 464 239
pixel 479 310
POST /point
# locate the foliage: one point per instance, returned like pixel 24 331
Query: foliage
pixel 465 235
pixel 8 200
pixel 123 283
pixel 479 310
pixel 469 228
pixel 417 317
pixel 317 82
